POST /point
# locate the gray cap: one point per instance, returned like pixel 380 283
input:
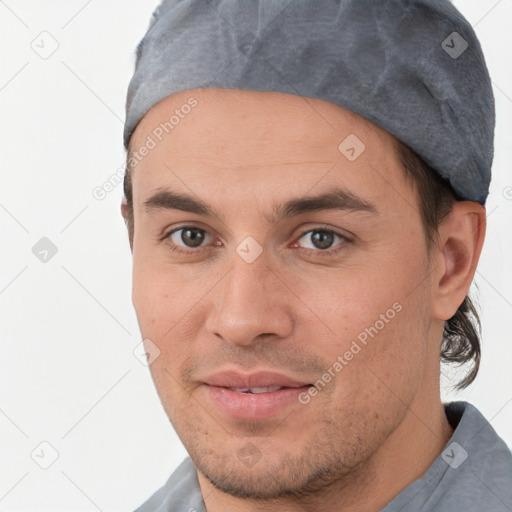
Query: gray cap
pixel 413 67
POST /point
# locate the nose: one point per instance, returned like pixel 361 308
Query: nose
pixel 252 304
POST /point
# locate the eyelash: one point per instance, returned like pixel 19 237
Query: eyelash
pixel 322 253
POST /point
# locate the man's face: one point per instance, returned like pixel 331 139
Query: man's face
pixel 335 311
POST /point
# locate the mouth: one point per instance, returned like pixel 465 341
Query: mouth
pixel 254 396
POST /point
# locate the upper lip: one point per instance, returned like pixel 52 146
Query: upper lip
pixel 260 379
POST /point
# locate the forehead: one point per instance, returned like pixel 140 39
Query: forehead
pixel 257 141
pixel 288 116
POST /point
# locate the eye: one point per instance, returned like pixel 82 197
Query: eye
pixel 321 241
pixel 187 236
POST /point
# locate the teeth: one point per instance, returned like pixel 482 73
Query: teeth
pixel 257 390
pixel 264 390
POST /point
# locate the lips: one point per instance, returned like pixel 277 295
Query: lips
pixel 254 396
pixel 261 379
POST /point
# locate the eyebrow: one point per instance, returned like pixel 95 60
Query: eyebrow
pixel 336 199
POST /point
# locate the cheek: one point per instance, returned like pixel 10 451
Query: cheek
pixel 166 298
pixel 393 343
pixel 375 319
pixel 347 303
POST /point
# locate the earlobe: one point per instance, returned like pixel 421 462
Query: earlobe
pixel 124 209
pixel 461 237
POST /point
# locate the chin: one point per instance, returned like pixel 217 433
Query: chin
pixel 271 476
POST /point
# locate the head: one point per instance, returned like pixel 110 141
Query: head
pixel 305 227
pixel 352 299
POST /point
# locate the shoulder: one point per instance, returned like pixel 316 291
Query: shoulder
pixel 475 468
pixel 181 492
pixel 472 473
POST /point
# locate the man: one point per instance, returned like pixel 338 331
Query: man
pixel 305 198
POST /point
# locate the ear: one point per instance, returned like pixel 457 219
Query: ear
pixel 461 237
pixel 124 213
pixel 124 209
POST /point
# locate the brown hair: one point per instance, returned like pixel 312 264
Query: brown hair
pixel 461 335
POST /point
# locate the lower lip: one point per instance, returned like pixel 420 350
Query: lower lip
pixel 253 406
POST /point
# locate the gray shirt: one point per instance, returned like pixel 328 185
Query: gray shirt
pixel 472 474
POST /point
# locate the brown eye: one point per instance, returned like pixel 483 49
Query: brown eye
pixel 321 239
pixel 187 236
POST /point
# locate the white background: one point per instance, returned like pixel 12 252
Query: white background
pixel 68 375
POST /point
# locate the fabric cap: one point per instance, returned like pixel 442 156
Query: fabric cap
pixel 413 67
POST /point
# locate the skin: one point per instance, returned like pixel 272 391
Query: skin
pixel 379 423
